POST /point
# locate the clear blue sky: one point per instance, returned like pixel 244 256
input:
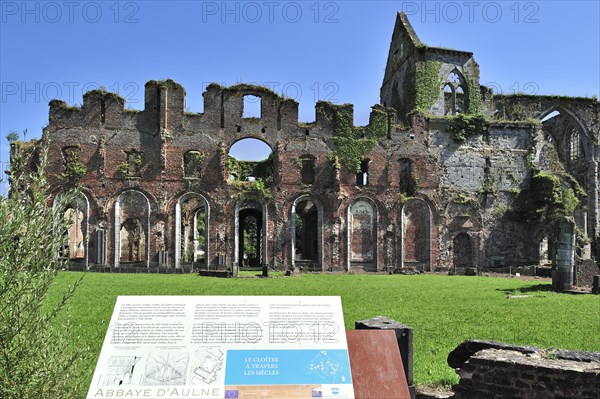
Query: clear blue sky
pixel 331 50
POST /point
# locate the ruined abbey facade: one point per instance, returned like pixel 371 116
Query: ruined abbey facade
pixel 446 174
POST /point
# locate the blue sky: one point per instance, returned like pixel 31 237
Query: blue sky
pixel 309 50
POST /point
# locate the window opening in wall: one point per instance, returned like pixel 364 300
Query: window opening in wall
pixel 74 169
pixel 460 100
pixel 102 111
pixel 192 161
pixel 407 180
pixel 133 166
pixel 574 145
pixel 455 94
pixel 308 169
pixel 250 161
pixel 448 100
pixel 252 106
pixel 562 129
pixel 550 116
pixel 362 177
pixel 454 78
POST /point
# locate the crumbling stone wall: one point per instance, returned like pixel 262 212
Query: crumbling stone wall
pixel 496 370
pixel 444 173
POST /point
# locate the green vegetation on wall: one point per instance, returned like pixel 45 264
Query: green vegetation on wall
pixel 127 170
pixel 353 143
pixel 256 188
pixel 241 170
pixel 191 163
pixel 474 106
pixel 548 198
pixel 261 171
pixel 74 168
pixel 427 85
pixel 462 126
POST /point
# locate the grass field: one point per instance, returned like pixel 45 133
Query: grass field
pixel 443 310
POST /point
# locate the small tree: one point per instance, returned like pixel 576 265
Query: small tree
pixel 38 358
pixel 12 136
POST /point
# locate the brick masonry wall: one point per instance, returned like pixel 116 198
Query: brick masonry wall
pixel 498 374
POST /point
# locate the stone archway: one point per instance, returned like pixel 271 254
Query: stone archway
pixel 191 230
pixel 132 222
pixel 76 246
pixel 416 235
pixel 306 233
pixel 250 233
pixel 362 235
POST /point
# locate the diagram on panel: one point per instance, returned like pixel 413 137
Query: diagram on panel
pixel 119 370
pixel 208 366
pixel 324 366
pixel 166 369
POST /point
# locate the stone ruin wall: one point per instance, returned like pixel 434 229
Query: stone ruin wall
pixel 431 202
pixel 498 370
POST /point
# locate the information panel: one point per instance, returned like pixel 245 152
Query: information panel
pixel 224 347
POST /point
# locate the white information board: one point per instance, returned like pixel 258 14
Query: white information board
pixel 224 347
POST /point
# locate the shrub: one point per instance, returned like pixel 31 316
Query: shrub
pixel 37 359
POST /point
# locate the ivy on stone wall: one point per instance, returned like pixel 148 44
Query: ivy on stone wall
pixel 261 171
pixel 549 197
pixel 242 170
pixel 462 126
pixel 256 188
pixel 427 85
pixel 474 106
pixel 353 143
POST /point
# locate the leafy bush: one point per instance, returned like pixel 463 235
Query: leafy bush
pixel 37 358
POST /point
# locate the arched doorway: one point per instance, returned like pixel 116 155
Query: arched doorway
pixel 132 220
pixel 250 234
pixel 362 235
pixel 306 222
pixel 416 235
pixel 76 245
pixel 191 231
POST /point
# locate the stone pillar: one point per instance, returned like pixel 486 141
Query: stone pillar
pixel 562 275
pixel 404 336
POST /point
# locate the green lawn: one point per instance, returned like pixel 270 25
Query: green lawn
pixel 443 310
